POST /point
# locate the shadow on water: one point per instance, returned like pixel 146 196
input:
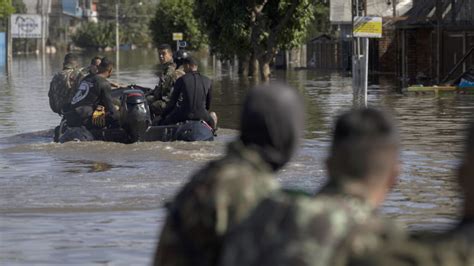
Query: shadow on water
pixel 54 194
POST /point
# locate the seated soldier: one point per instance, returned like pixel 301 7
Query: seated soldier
pixel 191 97
pixel 294 229
pixel 224 192
pixel 92 105
pixel 167 74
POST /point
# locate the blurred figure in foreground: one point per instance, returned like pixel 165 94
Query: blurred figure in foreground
pixel 221 194
pixel 294 229
pixel 452 248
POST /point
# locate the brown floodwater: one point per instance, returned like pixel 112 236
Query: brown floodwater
pixel 101 203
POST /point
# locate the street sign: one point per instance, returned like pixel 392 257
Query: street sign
pixel 177 36
pixel 182 44
pixel 25 26
pixel 368 27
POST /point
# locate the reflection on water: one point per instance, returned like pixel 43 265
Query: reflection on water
pixel 96 202
pixel 90 166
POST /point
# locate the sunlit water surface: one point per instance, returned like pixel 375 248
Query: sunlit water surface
pixel 100 203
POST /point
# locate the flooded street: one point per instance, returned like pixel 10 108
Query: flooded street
pixel 101 203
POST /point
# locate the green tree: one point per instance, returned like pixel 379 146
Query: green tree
pixel 261 27
pixel 134 18
pixel 177 16
pixel 228 28
pixel 95 35
pixel 6 8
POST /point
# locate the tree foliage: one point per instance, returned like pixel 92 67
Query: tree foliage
pixel 95 35
pixel 177 16
pixel 321 23
pixel 257 27
pixel 134 17
pixel 227 25
pixel 6 8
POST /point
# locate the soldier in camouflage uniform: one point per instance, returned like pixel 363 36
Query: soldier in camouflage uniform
pixel 167 74
pixel 64 83
pixel 222 194
pixel 292 229
pixel 455 247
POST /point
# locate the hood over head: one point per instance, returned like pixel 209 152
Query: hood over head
pixel 272 121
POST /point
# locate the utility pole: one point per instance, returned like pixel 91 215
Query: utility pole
pixel 117 37
pixel 394 8
pixel 9 46
pixel 439 39
pixel 43 28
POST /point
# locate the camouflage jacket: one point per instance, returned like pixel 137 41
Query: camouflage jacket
pixel 299 230
pixel 453 248
pixel 168 74
pixel 63 87
pixel 216 198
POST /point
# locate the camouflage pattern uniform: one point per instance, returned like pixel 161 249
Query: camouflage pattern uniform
pixel 168 75
pixel 454 248
pixel 299 230
pixel 63 87
pixel 217 197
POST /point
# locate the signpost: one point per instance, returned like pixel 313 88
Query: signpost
pixel 177 36
pixel 26 26
pixel 368 27
pixel 364 27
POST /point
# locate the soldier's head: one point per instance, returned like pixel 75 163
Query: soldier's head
pixel 364 154
pixel 165 53
pixel 71 60
pixel 466 173
pixel 272 121
pixel 95 62
pixel 105 68
pixel 189 64
pixel 179 57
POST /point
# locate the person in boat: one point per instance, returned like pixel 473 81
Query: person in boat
pixel 95 62
pixel 92 105
pixel 191 97
pixel 64 83
pixel 296 229
pixel 167 74
pixel 223 193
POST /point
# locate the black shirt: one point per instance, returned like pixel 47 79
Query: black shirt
pixel 93 90
pixel 190 99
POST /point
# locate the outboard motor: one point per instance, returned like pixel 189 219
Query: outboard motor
pixel 134 113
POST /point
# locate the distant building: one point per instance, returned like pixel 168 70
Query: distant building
pixel 422 39
pixel 432 37
pixel 62 16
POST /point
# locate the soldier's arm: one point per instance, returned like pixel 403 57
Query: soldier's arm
pixel 167 82
pixel 107 100
pixel 209 97
pixel 174 98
